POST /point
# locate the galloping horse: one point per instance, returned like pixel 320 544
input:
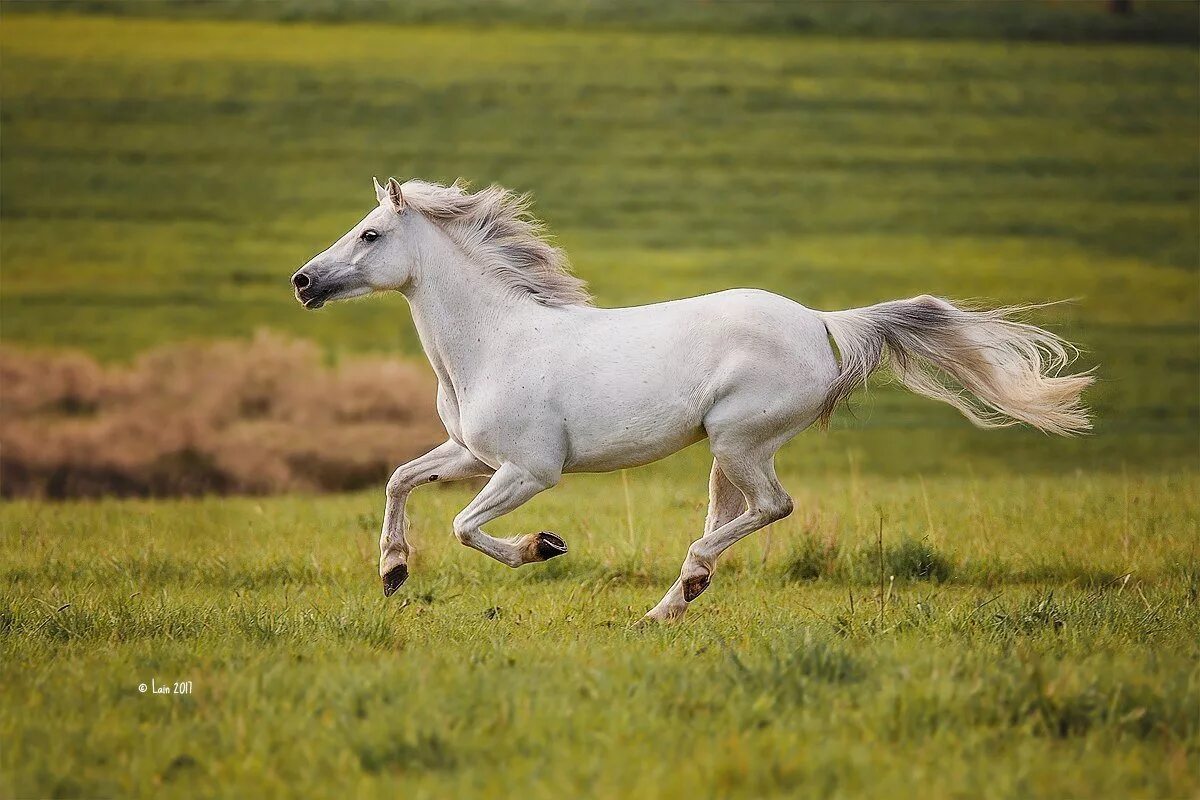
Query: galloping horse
pixel 534 381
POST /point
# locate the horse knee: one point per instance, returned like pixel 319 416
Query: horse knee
pixel 463 531
pixel 398 485
pixel 404 480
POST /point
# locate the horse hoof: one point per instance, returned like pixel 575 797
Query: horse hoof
pixel 694 586
pixel 547 545
pixel 394 579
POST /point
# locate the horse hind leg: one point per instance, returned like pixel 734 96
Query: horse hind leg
pixel 753 474
pixel 725 503
pixel 745 430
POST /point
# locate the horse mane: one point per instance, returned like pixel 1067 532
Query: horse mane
pixel 496 226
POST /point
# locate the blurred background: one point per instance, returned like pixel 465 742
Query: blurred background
pixel 165 166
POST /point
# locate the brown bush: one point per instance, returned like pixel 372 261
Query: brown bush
pixel 225 417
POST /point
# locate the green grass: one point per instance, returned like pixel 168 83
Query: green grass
pixel 160 179
pixel 1025 665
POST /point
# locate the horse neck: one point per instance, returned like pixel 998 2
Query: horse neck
pixel 458 307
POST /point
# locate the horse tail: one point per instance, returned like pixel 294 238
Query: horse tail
pixel 996 370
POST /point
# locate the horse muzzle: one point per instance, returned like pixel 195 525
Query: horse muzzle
pixel 311 291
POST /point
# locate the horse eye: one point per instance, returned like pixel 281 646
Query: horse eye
pixel 369 235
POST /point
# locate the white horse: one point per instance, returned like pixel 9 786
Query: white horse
pixel 534 381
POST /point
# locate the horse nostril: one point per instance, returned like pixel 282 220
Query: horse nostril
pixel 300 280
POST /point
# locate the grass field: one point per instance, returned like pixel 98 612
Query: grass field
pixel 160 179
pixel 1022 665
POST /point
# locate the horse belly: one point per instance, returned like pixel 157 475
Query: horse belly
pixel 616 441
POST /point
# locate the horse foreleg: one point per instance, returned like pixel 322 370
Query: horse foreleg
pixel 725 503
pixel 509 488
pixel 446 462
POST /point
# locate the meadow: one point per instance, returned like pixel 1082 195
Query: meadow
pixel 949 611
pixel 1038 637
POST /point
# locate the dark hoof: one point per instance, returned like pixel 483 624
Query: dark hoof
pixel 694 586
pixel 394 579
pixel 548 545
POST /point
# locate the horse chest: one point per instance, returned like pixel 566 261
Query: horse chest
pixel 476 420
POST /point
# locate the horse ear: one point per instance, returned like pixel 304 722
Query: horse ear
pixel 380 193
pixel 395 194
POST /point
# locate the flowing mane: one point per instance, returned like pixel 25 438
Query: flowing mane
pixel 496 226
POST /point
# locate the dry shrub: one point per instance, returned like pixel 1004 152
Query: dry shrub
pixel 226 417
